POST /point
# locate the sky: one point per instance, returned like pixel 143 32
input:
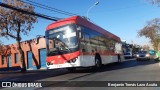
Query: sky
pixel 123 18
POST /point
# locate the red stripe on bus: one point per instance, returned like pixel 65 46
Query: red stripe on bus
pixel 60 59
pixel 61 23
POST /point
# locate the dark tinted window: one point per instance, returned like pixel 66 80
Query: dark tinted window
pixel 127 53
pixel 16 57
pixel 99 40
pixel 2 59
pixel 143 52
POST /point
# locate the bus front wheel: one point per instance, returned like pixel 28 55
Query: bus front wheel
pixel 119 58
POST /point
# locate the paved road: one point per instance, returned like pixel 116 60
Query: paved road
pixel 130 70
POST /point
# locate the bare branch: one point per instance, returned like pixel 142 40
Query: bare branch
pixel 151 31
pixel 14 23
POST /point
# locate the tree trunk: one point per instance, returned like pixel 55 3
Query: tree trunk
pixel 23 65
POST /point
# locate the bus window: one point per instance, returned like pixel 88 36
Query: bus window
pixel 87 39
pixel 85 42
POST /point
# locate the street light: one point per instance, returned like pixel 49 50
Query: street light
pixel 91 8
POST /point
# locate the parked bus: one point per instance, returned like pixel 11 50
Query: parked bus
pixel 75 42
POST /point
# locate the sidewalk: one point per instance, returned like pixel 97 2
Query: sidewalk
pixel 18 69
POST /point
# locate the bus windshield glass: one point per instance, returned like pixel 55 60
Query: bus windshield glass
pixel 61 40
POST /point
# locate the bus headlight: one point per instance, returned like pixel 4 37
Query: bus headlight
pixel 74 60
pixel 137 55
pixel 49 63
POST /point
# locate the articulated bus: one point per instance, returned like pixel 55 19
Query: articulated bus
pixel 76 42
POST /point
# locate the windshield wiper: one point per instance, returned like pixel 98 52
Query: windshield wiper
pixel 64 45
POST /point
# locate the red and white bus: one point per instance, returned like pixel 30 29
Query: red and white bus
pixel 76 42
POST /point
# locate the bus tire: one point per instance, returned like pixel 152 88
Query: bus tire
pixel 98 63
pixel 119 58
pixel 72 69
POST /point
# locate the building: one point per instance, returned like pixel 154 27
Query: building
pixel 34 52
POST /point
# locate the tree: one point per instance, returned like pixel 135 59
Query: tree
pixel 152 31
pixel 1 47
pixel 154 1
pixel 145 47
pixel 14 24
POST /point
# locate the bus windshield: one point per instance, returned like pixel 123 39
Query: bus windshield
pixel 61 40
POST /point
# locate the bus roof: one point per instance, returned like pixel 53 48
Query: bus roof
pixel 81 21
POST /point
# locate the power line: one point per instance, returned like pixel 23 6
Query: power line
pixel 30 13
pixel 49 8
pixel 57 10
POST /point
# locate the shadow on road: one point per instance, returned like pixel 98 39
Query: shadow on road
pixel 42 74
pixel 114 66
pixel 127 64
pixel 122 65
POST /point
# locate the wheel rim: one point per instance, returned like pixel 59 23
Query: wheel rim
pixel 97 63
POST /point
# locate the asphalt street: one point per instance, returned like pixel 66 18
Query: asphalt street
pixel 129 70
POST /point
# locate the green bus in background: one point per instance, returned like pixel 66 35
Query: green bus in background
pixel 154 55
pixel 158 54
